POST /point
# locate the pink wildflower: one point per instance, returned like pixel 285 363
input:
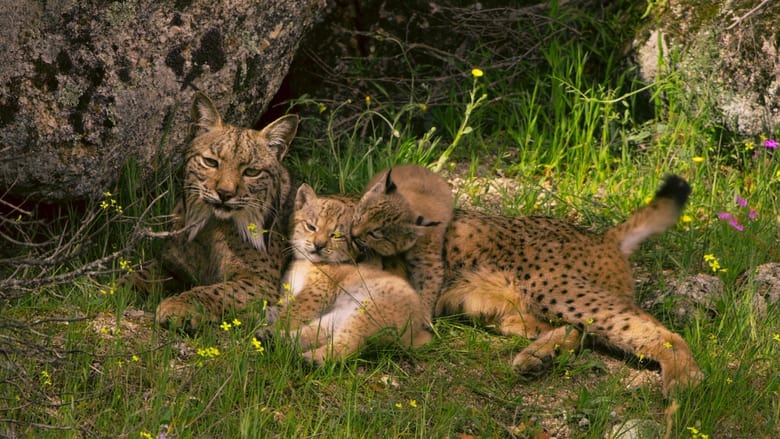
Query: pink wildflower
pixel 770 143
pixel 741 201
pixel 753 215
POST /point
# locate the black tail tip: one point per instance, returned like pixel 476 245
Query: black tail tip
pixel 676 188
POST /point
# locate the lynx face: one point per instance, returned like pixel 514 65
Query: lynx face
pixel 235 174
pixel 385 222
pixel 321 227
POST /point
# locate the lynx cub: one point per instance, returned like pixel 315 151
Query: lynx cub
pixel 548 280
pixel 333 305
pixel 419 204
pixel 232 220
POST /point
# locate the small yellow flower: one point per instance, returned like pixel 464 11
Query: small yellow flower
pixel 209 352
pixel 668 345
pixel 476 72
pixel 107 194
pixel 258 345
pixel 399 405
pixel 368 100
pixel 236 322
pixel 423 107
pixel 590 321
pixel 413 403
pixel 729 380
pixel 776 337
pixel 686 218
pixel 641 357
pixel 698 159
pixel 749 146
pixel 125 265
pixel 287 286
pixel 145 435
pixel 135 358
pixel 225 326
pixel 120 363
pixel 252 228
pixel 45 378
pixel 265 304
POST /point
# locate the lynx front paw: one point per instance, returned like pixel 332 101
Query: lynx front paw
pixel 177 314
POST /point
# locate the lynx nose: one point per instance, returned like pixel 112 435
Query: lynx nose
pixel 318 246
pixel 226 193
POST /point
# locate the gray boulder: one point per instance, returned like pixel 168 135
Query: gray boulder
pixel 87 85
pixel 727 54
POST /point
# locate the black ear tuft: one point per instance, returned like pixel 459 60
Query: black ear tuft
pixel 390 187
pixel 421 221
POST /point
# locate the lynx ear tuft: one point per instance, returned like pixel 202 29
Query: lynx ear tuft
pixel 390 186
pixel 421 221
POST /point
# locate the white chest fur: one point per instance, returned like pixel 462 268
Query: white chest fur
pixel 296 276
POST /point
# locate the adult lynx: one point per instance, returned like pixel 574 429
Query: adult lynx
pixel 236 200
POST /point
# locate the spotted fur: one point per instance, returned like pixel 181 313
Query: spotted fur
pixel 550 281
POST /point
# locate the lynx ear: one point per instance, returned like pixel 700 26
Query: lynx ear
pixel 204 112
pixel 304 195
pixel 390 186
pixel 280 133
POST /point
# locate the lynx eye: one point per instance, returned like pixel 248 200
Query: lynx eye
pixel 210 162
pixel 310 227
pixel 251 172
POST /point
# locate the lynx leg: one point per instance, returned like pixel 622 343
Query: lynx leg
pixel 538 356
pixel 313 335
pixel 621 323
pixel 201 304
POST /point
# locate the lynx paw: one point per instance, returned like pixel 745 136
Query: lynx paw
pixel 315 357
pixel 682 374
pixel 177 314
pixel 532 363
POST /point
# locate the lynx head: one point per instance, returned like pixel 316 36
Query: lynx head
pixel 235 174
pixel 385 222
pixel 320 229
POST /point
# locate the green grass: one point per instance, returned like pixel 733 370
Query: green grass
pixel 568 133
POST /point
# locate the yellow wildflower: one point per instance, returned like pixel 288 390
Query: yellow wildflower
pixel 698 159
pixel 475 72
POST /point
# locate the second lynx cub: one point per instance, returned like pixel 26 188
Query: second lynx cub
pixel 332 306
pixel 543 278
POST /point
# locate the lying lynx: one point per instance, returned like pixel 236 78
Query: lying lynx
pixel 421 205
pixel 233 216
pixel 333 306
pixel 548 280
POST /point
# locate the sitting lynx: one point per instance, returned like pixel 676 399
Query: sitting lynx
pixel 233 216
pixel 422 205
pixel 531 276
pixel 333 305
